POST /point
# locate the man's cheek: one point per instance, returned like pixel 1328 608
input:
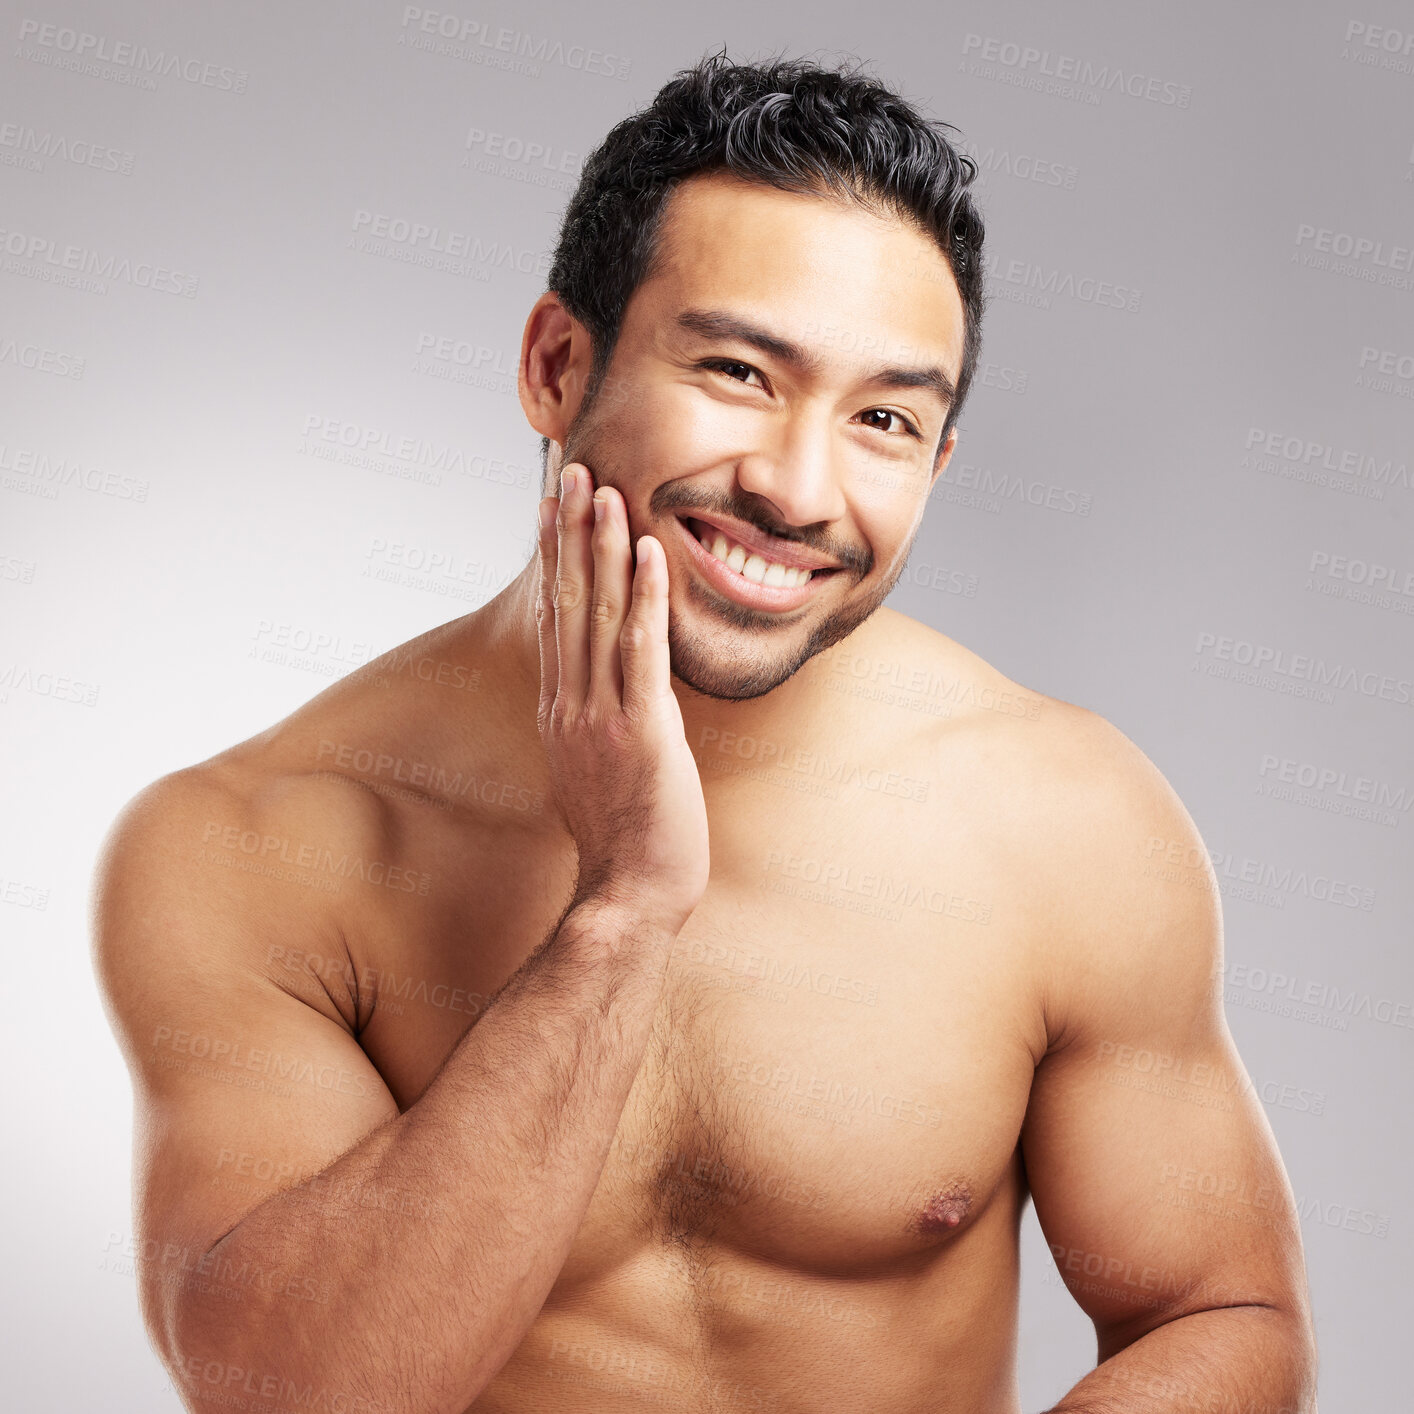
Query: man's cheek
pixel 684 436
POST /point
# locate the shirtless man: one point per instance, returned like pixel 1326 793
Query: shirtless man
pixel 466 1077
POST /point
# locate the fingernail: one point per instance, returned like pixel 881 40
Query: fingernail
pixel 567 481
pixel 547 512
pixel 598 506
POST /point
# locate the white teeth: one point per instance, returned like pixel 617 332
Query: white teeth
pixel 756 568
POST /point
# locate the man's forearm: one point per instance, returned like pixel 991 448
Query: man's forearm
pixel 506 1145
pixel 1254 1358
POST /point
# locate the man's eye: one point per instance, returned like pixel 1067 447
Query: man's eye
pixel 730 367
pixel 726 365
pixel 909 429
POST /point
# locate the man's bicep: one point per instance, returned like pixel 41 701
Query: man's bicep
pixel 1156 1181
pixel 240 1089
pixel 232 1107
pixel 1154 1172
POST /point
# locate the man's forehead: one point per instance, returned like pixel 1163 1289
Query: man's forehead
pixel 853 285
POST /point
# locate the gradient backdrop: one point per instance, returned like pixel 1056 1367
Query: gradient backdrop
pixel 256 426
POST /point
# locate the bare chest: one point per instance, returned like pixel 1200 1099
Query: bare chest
pixel 811 1099
pixel 838 1068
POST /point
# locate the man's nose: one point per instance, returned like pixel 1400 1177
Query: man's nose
pixel 799 473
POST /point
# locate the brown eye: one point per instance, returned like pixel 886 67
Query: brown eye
pixel 724 365
pixel 909 429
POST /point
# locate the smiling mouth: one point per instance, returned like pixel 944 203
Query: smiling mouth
pixel 752 564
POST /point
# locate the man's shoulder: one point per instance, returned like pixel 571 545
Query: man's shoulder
pixel 209 867
pixel 318 771
pixel 238 797
pixel 307 839
pixel 1073 749
pixel 1075 788
pixel 1104 867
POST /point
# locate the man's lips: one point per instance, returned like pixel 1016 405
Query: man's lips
pixel 757 542
pixel 736 586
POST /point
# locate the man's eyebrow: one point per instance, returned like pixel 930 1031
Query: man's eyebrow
pixel 721 324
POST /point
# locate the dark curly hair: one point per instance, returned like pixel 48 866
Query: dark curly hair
pixel 786 123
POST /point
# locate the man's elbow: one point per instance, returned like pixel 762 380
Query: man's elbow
pixel 1293 1346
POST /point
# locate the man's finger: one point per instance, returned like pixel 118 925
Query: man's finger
pixel 545 602
pixel 613 587
pixel 644 639
pixel 573 586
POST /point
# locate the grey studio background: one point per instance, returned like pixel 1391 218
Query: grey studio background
pixel 263 426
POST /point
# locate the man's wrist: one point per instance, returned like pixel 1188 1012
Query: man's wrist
pixel 622 928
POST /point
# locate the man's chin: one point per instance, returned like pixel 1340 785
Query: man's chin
pixel 709 675
pixel 728 666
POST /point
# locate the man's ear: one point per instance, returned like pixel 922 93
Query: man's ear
pixel 555 359
pixel 944 457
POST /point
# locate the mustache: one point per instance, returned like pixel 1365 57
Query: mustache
pixel 673 497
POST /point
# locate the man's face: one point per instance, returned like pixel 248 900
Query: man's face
pixel 708 430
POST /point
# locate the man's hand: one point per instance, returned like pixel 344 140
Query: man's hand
pixel 610 724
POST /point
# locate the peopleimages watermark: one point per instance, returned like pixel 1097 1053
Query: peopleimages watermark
pixel 995 488
pixel 411 457
pixel 476 41
pixel 462 249
pixel 39 359
pixel 62 47
pixel 311 859
pixel 21 895
pixel 531 161
pixel 1189 864
pixel 1366 257
pixel 219 1057
pixel 312 650
pixel 434 571
pixel 50 472
pixel 1297 674
pixel 1387 371
pixel 766 756
pixel 1331 789
pixel 739 969
pixel 30 148
pixel 220 1383
pixel 388 989
pixel 425 775
pixel 828 880
pixel 1235 1197
pixel 197 1269
pixel 233 1167
pixel 1172 1075
pixel 1027 282
pixel 462 362
pixel 43 258
pixel 922 689
pixel 1379 46
pixel 18 571
pixel 22 677
pixel 1361 581
pixel 1066 75
pixel 1293 458
pixel 1387 362
pixel 1022 166
pixel 1324 1003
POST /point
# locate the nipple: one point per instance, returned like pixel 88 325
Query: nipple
pixel 945 1211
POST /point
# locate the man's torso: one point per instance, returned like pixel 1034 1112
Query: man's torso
pixel 814 1192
